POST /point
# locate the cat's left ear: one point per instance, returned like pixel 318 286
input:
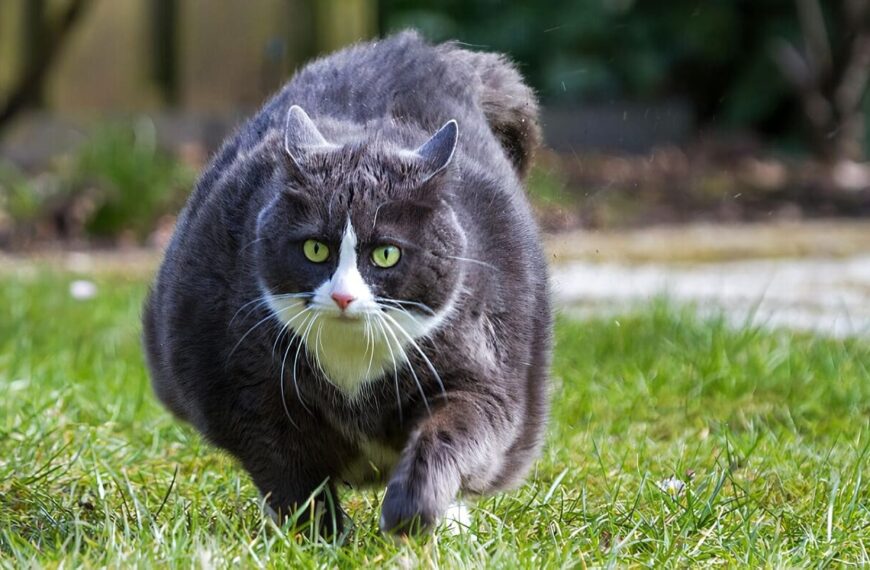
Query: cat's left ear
pixel 438 150
pixel 302 137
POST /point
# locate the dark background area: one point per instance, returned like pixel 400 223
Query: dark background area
pixel 665 112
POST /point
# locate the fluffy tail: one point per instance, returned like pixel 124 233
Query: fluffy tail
pixel 510 106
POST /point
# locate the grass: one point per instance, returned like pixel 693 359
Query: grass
pixel 768 431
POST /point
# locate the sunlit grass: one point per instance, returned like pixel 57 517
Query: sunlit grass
pixel 769 431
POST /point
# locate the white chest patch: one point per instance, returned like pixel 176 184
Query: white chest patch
pixel 354 336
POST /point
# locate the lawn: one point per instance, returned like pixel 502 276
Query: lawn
pixel 676 440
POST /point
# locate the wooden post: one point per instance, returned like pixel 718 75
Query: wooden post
pixel 27 88
pixel 34 38
pixel 301 40
pixel 164 38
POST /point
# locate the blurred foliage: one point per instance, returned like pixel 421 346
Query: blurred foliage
pixel 715 54
pixel 129 179
pixel 19 197
pixel 117 184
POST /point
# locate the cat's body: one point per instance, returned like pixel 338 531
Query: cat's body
pixel 466 302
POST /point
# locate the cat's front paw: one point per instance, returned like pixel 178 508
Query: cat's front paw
pixel 408 510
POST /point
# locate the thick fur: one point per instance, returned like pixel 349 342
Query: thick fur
pixel 473 255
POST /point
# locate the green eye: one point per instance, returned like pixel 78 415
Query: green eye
pixel 315 251
pixel 386 255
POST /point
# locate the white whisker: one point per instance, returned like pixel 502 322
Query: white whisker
pixel 395 369
pixel 259 300
pixel 260 322
pixel 370 344
pixel 295 383
pixel 407 360
pixel 399 303
pixel 286 328
pixel 318 346
pixel 281 377
pixel 304 342
pixel 477 261
pixel 419 351
pixel 264 299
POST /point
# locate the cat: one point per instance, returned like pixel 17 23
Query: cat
pixel 356 292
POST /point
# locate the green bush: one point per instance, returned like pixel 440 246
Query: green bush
pixel 19 198
pixel 716 55
pixel 129 180
pixel 118 183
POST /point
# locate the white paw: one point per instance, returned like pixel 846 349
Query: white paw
pixel 457 519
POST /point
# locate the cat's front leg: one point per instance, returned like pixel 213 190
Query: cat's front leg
pixel 459 447
pixel 295 484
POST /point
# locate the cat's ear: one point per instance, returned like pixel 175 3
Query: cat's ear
pixel 438 150
pixel 301 136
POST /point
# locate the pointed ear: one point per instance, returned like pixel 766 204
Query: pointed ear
pixel 301 136
pixel 438 150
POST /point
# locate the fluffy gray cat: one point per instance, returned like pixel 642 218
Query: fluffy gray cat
pixel 356 292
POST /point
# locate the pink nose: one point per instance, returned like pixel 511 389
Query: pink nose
pixel 343 300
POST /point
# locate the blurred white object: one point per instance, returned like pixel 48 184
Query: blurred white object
pixel 851 175
pixel 672 486
pixel 82 290
pixel 457 519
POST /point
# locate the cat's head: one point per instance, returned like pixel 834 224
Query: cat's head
pixel 359 252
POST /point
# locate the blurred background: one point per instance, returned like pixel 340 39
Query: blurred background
pixel 685 130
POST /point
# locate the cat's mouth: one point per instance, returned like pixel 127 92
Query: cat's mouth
pixel 347 318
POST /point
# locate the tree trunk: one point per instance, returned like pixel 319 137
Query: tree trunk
pixel 40 57
pixel 164 37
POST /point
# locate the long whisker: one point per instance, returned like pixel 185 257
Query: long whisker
pixel 281 377
pixel 318 345
pixel 286 328
pixel 319 341
pixel 477 261
pixel 258 300
pixel 370 340
pixel 260 322
pixel 263 299
pixel 395 369
pixel 284 360
pixel 302 342
pixel 400 303
pixel 407 360
pixel 250 243
pixel 413 343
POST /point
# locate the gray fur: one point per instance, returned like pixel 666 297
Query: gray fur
pixel 471 249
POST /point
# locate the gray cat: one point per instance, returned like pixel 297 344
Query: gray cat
pixel 356 293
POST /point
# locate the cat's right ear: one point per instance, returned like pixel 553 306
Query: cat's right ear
pixel 301 136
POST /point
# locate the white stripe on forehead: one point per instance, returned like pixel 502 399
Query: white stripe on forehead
pixel 347 278
pixel 348 245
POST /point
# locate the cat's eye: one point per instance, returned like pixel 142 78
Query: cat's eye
pixel 315 251
pixel 386 255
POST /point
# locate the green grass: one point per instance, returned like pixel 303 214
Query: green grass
pixel 769 430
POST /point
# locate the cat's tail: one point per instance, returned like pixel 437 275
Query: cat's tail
pixel 510 106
